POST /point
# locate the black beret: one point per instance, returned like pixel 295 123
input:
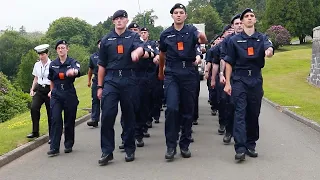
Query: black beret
pixel 235 17
pixel 178 6
pixel 226 28
pixel 144 29
pixel 98 41
pixel 120 13
pixel 133 25
pixel 61 42
pixel 244 12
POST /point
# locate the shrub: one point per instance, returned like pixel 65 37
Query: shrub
pixel 278 35
pixel 12 101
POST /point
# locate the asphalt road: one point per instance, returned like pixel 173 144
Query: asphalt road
pixel 287 150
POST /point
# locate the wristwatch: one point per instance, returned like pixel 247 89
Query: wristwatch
pixel 100 87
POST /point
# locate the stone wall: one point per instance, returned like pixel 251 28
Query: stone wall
pixel 314 76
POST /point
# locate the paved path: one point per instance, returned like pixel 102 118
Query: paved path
pixel 287 150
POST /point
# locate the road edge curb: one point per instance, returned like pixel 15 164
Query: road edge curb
pixel 295 116
pixel 28 147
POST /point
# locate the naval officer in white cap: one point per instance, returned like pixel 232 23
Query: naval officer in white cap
pixel 40 89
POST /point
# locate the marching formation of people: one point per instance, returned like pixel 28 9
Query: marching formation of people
pixel 142 75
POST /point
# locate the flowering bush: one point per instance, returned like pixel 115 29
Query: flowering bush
pixel 278 35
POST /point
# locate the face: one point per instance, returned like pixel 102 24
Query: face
pixel 217 41
pixel 62 50
pixel 145 35
pixel 135 30
pixel 99 45
pixel 228 32
pixel 120 22
pixel 179 16
pixel 43 56
pixel 249 19
pixel 237 25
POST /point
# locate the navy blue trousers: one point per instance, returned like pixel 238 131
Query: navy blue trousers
pixel 180 86
pixel 67 101
pixel 247 93
pixel 123 89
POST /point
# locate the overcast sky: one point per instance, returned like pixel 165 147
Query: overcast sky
pixel 36 15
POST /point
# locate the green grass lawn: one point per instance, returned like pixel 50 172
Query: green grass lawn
pixel 13 132
pixel 285 81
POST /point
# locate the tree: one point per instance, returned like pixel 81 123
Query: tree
pixel 225 8
pixel 24 77
pixel 12 47
pixel 295 15
pixel 81 54
pixel 73 30
pixel 148 19
pixel 208 15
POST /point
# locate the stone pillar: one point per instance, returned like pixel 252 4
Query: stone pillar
pixel 314 77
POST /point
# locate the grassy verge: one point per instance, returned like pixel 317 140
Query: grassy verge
pixel 13 132
pixel 285 81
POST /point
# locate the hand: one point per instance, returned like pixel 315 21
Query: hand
pixel 49 94
pixel 269 52
pixel 206 75
pixel 197 62
pixel 161 75
pixel 222 79
pixel 32 93
pixel 227 89
pixel 99 93
pixel 70 73
pixel 89 83
pixel 213 83
pixel 135 55
pixel 156 59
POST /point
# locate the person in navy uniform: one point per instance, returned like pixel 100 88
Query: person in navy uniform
pixel 225 100
pixel 93 70
pixel 117 81
pixel 147 84
pixel 178 48
pixel 62 73
pixel 40 89
pixel 198 61
pixel 245 58
pixel 208 75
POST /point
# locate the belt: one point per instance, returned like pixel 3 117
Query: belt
pixel 248 72
pixel 178 64
pixel 43 85
pixel 121 72
pixel 64 87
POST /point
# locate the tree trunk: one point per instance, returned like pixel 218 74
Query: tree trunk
pixel 301 38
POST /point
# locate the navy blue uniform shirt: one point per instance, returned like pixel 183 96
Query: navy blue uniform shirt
pixel 57 72
pixel 216 54
pixel 224 44
pixel 115 51
pixel 179 45
pixel 247 52
pixel 93 63
pixel 209 55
